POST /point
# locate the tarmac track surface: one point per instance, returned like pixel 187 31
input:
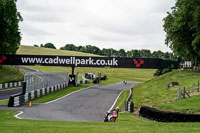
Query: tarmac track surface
pixel 90 104
pixel 51 80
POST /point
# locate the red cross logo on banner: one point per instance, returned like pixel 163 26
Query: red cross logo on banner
pixel 3 58
pixel 138 64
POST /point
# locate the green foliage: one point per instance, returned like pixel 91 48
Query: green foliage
pixel 182 26
pixel 9 30
pixel 110 52
pixel 36 45
pixel 49 45
pixel 162 71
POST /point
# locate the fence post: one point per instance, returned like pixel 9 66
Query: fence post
pixel 126 105
pixel 184 92
pixel 179 96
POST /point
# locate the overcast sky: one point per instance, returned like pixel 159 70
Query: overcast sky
pixel 127 24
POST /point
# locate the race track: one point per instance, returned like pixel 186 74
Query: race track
pixel 90 104
pixel 5 94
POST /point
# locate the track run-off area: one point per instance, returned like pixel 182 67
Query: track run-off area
pixel 90 104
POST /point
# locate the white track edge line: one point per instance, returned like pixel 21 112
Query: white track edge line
pixel 115 101
pixel 17 115
pixel 68 95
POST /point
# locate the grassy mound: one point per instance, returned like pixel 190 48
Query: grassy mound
pixel 30 50
pixel 155 93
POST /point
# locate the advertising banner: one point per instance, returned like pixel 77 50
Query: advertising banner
pixel 84 61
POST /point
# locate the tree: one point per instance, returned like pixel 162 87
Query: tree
pixel 71 47
pixel 122 53
pixel 182 26
pixel 35 45
pixel 134 53
pixel 144 53
pixel 9 29
pixel 110 52
pixel 49 45
pixel 92 49
pixel 158 54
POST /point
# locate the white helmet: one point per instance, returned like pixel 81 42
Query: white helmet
pixel 117 108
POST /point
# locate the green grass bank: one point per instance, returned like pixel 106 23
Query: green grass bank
pixel 155 93
pixel 30 50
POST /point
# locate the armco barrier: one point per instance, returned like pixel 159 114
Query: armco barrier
pixel 10 84
pixel 161 116
pixel 128 99
pixel 19 99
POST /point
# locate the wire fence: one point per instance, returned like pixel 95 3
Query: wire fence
pixel 186 92
pixel 39 80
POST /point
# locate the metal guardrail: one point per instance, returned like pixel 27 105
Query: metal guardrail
pixel 39 80
pixel 128 99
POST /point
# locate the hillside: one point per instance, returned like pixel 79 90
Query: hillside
pixel 155 93
pixel 30 50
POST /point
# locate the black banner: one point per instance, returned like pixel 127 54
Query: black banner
pixel 83 61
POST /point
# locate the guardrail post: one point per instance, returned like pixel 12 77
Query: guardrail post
pixel 126 105
pixel 23 88
pixel 184 92
pixel 179 96
pixel 130 107
pixel 11 101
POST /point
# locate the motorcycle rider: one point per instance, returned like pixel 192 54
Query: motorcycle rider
pixel 125 82
pixel 112 115
pixel 115 112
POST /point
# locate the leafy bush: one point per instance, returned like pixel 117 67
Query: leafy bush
pixel 162 71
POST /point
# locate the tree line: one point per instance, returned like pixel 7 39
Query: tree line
pixel 110 52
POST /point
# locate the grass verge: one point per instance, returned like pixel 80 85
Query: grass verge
pixel 126 123
pixel 4 102
pixel 61 93
pixel 122 99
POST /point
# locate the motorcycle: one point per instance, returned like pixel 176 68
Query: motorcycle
pixel 110 116
pixel 125 82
